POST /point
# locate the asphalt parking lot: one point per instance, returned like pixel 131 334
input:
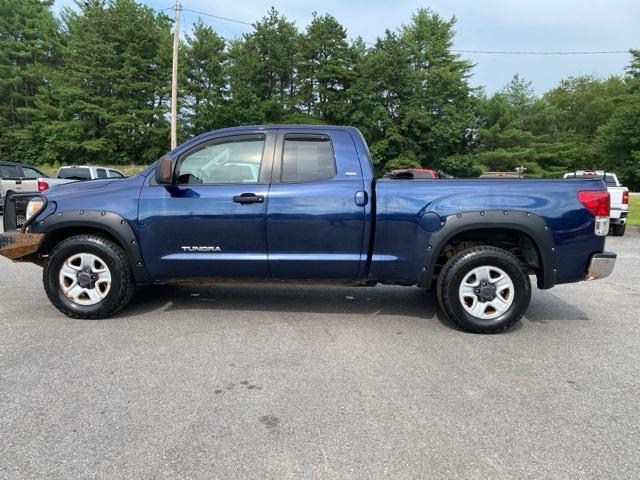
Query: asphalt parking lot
pixel 282 382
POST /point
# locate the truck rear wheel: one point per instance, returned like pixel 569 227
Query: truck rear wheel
pixel 618 229
pixel 88 276
pixel 484 289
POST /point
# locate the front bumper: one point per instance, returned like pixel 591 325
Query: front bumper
pixel 16 244
pixel 601 265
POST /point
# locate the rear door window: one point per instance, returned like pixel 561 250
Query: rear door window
pixel 31 173
pixel 307 158
pixel 102 173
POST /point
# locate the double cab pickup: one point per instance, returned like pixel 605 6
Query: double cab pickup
pixel 301 204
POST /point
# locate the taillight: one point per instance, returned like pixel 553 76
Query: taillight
pixel 599 204
pixel 42 186
pixel 625 198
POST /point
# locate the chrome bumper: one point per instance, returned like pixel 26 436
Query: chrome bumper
pixel 601 265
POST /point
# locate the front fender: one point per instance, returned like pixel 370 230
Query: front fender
pixel 108 222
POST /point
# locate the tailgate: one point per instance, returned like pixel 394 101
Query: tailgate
pixel 616 197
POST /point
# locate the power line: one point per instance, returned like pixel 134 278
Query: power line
pixel 483 52
pixel 502 52
pixel 217 16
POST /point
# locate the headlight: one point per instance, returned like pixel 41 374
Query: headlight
pixel 33 207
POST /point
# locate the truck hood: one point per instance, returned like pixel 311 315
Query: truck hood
pixel 81 185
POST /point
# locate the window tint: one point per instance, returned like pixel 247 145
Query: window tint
pixel 8 171
pixel 307 158
pixel 31 173
pixel 115 174
pixel 102 173
pixel 74 173
pixel 231 161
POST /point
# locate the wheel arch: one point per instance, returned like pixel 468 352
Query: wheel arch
pixel 498 228
pixel 61 226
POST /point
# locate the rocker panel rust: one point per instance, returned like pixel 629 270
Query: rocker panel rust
pixel 16 245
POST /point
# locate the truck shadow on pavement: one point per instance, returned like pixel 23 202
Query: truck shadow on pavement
pixel 372 302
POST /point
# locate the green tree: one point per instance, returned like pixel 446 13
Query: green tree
pixel 29 52
pixel 111 92
pixel 325 69
pixel 203 80
pixel 585 103
pixel 618 141
pixel 263 71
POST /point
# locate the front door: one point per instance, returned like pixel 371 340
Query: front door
pixel 211 223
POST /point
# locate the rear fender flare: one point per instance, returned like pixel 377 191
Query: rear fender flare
pixel 534 226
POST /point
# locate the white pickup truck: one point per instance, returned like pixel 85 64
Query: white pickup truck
pixel 77 173
pixel 18 178
pixel 619 197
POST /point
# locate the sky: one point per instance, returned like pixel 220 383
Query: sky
pixel 502 25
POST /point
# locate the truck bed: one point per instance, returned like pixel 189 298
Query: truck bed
pixel 409 212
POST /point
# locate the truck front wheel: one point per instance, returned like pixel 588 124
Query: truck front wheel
pixel 88 276
pixel 484 289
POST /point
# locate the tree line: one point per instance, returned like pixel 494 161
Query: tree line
pixel 93 85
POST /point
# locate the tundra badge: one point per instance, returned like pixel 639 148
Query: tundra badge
pixel 201 249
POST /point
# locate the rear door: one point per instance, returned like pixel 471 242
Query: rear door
pixel 211 224
pixel 316 208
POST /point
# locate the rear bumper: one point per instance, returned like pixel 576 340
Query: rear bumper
pixel 16 244
pixel 618 214
pixel 601 265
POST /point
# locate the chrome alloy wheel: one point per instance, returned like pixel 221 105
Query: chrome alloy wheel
pixel 486 292
pixel 85 279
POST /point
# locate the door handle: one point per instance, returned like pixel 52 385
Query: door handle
pixel 247 198
pixel 361 198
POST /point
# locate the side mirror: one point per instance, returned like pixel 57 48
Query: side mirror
pixel 164 171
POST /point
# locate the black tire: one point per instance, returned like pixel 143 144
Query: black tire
pixel 122 284
pixel 460 265
pixel 617 230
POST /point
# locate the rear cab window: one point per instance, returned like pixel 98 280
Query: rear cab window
pixel 307 157
pixel 75 173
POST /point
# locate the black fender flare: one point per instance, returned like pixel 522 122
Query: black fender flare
pixel 109 222
pixel 534 226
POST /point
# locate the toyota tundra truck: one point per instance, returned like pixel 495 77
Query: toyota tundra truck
pixel 301 204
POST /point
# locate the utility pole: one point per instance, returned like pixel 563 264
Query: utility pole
pixel 174 78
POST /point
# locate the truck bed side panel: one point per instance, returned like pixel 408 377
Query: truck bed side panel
pixel 408 212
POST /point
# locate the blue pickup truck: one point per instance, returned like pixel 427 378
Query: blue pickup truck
pixel 301 204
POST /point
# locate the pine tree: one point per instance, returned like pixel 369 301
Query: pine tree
pixel 204 80
pixel 29 51
pixel 111 93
